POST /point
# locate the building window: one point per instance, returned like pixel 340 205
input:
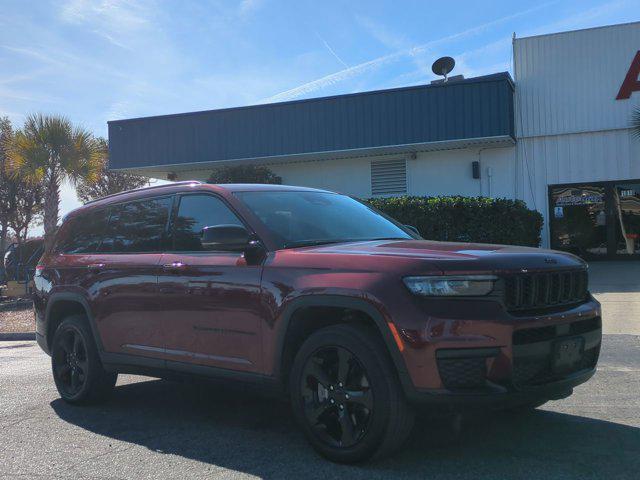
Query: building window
pixel 389 177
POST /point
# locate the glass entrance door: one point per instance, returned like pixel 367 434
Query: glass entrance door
pixel 626 199
pixel 578 220
pixel 598 220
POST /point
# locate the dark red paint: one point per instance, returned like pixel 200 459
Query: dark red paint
pixel 218 310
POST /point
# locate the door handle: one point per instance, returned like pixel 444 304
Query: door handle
pixel 173 267
pixel 95 267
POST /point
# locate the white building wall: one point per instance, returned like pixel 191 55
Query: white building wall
pixel 569 125
pixel 446 172
pixel 567 82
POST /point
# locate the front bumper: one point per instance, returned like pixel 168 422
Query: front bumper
pixel 506 361
pixel 496 396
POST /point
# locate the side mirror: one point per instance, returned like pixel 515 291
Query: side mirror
pixel 413 229
pixel 227 238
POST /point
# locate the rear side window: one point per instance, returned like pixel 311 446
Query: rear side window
pixel 195 213
pixel 84 233
pixel 138 226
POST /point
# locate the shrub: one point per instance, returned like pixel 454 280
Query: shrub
pixel 244 174
pixel 466 219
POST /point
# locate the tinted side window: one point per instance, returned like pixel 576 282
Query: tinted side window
pixel 138 226
pixel 195 213
pixel 85 232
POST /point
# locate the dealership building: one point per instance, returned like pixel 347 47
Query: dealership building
pixel 557 135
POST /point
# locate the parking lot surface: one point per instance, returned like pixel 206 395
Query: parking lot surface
pixel 158 429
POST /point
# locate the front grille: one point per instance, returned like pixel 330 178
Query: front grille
pixel 457 373
pixel 533 291
pixel 550 332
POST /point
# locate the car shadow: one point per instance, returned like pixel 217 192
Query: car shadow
pixel 242 432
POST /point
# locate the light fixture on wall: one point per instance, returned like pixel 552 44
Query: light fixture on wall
pixel 475 169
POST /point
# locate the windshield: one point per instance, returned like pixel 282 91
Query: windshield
pixel 314 218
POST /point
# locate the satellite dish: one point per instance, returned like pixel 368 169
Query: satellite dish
pixel 443 66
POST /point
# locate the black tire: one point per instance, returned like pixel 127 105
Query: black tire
pixel 363 416
pixel 76 366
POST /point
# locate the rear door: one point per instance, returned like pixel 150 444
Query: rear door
pixel 125 268
pixel 211 300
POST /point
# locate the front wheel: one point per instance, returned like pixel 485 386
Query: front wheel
pixel 77 369
pixel 346 396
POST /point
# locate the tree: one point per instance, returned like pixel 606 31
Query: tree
pixel 48 150
pixel 27 208
pixel 20 201
pixel 6 190
pixel 244 174
pixel 108 181
pixel 635 122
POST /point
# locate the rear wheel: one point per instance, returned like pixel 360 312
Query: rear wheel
pixel 77 370
pixel 346 396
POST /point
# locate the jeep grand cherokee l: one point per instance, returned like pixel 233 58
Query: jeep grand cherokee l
pixel 352 315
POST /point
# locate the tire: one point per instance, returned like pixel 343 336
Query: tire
pixel 346 396
pixel 76 366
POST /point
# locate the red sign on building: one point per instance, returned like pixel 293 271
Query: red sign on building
pixel 631 81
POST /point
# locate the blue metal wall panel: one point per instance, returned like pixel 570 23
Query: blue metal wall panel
pixel 472 108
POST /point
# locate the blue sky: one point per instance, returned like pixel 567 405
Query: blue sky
pixel 111 59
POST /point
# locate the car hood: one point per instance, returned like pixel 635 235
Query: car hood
pixel 458 257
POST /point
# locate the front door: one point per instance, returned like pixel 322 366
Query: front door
pixel 212 307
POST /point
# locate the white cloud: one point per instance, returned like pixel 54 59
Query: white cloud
pixel 113 20
pixel 382 34
pixel 594 16
pixel 247 7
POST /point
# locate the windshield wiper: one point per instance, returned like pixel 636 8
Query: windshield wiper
pixel 389 238
pixel 310 243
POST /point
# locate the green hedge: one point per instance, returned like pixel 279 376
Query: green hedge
pixel 466 219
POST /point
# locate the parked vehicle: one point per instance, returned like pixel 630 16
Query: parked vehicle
pixel 313 294
pixel 20 260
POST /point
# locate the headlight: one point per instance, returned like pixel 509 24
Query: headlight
pixel 451 286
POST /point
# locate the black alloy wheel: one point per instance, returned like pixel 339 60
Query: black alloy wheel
pixel 346 396
pixel 338 401
pixel 71 366
pixel 77 370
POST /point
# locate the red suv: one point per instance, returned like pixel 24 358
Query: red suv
pixel 316 295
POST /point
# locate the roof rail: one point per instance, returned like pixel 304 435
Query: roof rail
pixel 154 187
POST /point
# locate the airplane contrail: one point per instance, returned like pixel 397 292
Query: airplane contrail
pixel 355 70
pixel 335 55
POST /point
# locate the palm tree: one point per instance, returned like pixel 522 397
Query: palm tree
pixel 49 150
pixel 635 122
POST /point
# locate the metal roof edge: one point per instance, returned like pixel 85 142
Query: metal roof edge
pixel 467 81
pixel 438 145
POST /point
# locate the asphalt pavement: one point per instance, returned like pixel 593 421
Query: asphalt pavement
pixel 157 429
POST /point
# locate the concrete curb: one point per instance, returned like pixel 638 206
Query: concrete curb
pixel 12 337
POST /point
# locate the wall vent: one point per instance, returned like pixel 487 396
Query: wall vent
pixel 389 177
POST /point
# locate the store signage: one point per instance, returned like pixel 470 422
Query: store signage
pixel 631 82
pixel 579 200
